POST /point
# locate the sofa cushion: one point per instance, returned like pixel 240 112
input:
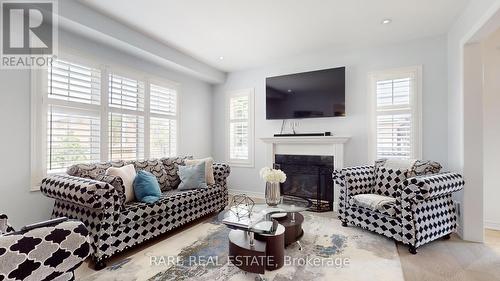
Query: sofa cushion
pixel 388 181
pixel 209 170
pixel 92 170
pixel 169 200
pixel 192 177
pixel 115 182
pixel 155 167
pixel 146 187
pixel 424 167
pixel 375 202
pixel 172 178
pixel 127 174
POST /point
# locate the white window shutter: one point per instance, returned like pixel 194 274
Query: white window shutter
pixel 74 83
pixel 73 120
pixel 240 128
pixel 396 110
pixel 163 121
pixel 126 93
pixel 126 136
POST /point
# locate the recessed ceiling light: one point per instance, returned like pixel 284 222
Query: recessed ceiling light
pixel 289 90
pixel 221 58
pixel 386 21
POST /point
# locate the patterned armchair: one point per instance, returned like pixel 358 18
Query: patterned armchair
pixel 413 206
pixel 49 252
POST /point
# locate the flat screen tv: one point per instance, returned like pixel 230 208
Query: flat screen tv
pixel 311 94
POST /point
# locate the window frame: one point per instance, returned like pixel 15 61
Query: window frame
pixel 415 109
pixel 40 102
pixel 250 93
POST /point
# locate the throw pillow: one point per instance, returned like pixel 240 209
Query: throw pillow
pixel 155 167
pixel 146 187
pixel 127 174
pixel 116 182
pixel 388 181
pixel 423 167
pixel 209 169
pixel 192 177
pixel 171 164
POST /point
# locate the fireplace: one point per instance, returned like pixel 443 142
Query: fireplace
pixel 308 176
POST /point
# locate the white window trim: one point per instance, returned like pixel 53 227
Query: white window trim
pixel 39 106
pixel 250 92
pixel 415 103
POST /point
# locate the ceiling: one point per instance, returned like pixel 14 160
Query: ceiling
pixel 250 33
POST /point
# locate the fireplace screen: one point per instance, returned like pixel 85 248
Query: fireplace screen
pixel 308 176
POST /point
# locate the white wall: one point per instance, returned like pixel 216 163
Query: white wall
pixel 491 129
pixel 430 52
pixel 23 206
pixel 474 16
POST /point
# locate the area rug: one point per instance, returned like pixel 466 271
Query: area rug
pixel 329 251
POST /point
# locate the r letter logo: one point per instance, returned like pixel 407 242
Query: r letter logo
pixel 28 33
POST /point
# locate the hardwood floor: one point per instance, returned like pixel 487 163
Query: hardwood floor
pixel 454 259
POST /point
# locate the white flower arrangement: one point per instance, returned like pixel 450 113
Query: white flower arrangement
pixel 272 175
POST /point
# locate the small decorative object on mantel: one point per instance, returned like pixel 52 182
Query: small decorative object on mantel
pixel 273 178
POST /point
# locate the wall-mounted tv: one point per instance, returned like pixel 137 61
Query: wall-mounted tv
pixel 311 94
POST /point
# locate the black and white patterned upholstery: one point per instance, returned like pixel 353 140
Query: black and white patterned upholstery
pixel 424 209
pixel 45 253
pixel 115 226
pixel 388 181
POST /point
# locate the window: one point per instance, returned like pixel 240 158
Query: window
pixel 73 123
pixel 396 113
pixel 163 122
pixel 89 113
pixel 126 118
pixel 239 127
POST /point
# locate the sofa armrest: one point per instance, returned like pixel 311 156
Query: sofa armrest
pixel 55 249
pixel 85 192
pixel 427 187
pixel 355 180
pixel 221 172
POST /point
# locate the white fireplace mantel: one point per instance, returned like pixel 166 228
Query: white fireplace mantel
pixel 321 145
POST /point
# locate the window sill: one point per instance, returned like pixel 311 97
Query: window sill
pixel 240 165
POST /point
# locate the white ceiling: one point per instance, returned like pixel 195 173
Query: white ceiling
pixel 249 33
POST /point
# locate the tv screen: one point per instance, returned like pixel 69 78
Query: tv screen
pixel 312 94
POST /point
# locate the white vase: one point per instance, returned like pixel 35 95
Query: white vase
pixel 273 193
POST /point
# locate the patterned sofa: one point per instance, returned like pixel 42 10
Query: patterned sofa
pixel 423 209
pixel 49 252
pixel 88 195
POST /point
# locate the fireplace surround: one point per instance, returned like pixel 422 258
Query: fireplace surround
pixel 314 145
pixel 308 176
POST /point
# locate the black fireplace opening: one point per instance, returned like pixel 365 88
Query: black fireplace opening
pixel 308 176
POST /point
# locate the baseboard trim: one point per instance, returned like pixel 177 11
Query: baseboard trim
pixel 253 194
pixel 492 225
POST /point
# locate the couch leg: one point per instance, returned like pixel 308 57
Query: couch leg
pixel 447 237
pixel 413 250
pixel 99 264
pixel 344 224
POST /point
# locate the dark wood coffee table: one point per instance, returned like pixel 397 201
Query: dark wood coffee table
pixel 266 253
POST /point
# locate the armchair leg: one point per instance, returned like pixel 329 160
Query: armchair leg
pixel 447 237
pixel 344 223
pixel 413 250
pixel 99 264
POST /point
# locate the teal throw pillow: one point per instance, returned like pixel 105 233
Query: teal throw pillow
pixel 192 177
pixel 146 187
